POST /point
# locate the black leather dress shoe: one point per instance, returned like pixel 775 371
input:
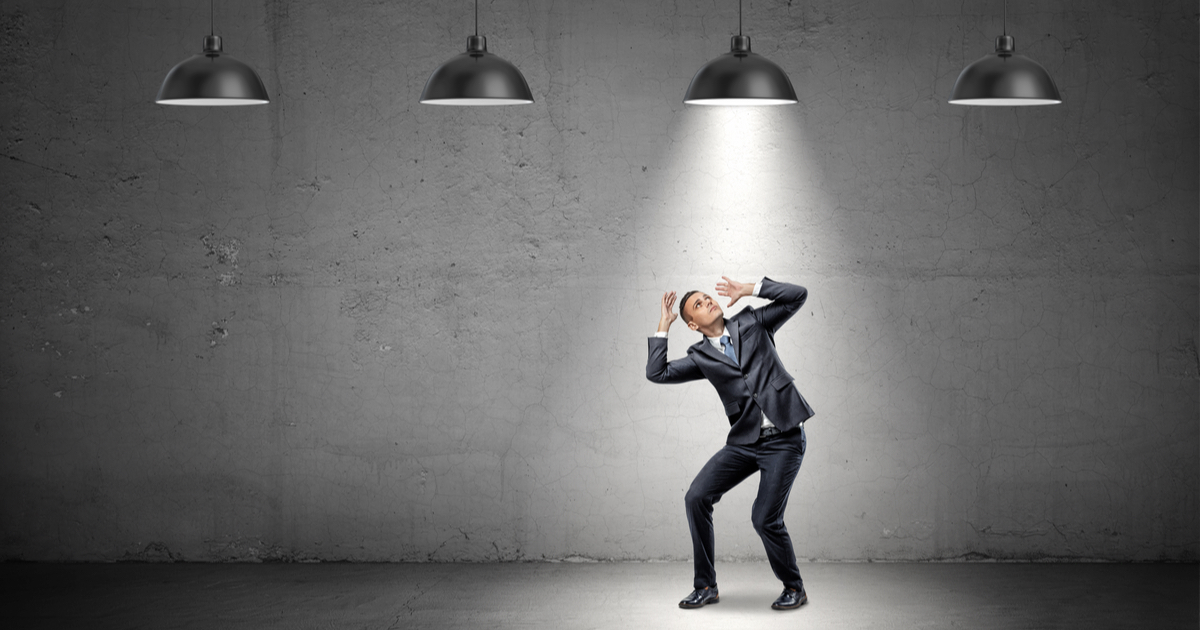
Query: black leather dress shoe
pixel 701 597
pixel 791 598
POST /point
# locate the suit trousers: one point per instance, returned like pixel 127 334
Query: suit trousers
pixel 778 460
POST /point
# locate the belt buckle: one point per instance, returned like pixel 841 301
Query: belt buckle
pixel 769 433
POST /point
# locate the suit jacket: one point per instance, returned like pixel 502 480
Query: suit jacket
pixel 759 384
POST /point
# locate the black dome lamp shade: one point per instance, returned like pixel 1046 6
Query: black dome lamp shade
pixel 740 77
pixel 212 78
pixel 1005 78
pixel 476 77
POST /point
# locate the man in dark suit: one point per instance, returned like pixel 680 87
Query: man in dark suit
pixel 766 416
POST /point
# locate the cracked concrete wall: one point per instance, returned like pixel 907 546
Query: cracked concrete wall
pixel 349 326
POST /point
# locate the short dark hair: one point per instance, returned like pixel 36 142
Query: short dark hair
pixel 683 303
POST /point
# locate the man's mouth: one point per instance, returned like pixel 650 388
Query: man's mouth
pixel 710 309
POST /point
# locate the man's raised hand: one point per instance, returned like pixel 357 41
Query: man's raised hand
pixel 734 290
pixel 668 314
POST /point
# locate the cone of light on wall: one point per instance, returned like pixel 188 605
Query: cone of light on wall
pixel 1005 78
pixel 476 77
pixel 740 77
pixel 212 78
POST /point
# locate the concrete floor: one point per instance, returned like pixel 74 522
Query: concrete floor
pixel 561 596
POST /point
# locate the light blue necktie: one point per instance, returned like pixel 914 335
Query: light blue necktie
pixel 725 343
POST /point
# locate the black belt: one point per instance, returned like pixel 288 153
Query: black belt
pixel 766 434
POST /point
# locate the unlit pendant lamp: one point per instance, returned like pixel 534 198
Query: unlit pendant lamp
pixel 740 77
pixel 212 78
pixel 1005 78
pixel 476 77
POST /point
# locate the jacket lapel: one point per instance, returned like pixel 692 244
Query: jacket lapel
pixel 713 353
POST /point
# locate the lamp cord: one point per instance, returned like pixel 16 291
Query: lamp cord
pixel 739 17
pixel 212 20
pixel 1005 16
pixel 477 17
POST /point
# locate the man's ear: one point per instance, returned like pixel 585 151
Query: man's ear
pixel 693 325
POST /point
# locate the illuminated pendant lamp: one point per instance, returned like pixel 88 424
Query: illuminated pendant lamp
pixel 1005 78
pixel 212 78
pixel 476 77
pixel 740 77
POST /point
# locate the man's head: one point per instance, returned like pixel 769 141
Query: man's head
pixel 699 310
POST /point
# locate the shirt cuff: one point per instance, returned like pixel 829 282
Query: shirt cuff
pixel 660 334
pixel 758 287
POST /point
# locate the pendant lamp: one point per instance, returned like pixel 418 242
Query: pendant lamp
pixel 1005 78
pixel 212 78
pixel 476 77
pixel 740 77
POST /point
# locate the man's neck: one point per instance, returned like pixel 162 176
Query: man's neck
pixel 716 330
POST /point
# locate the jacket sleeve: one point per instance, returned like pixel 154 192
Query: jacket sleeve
pixel 786 300
pixel 659 370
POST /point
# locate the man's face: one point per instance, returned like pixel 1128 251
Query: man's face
pixel 702 310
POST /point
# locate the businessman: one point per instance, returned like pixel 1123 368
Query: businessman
pixel 766 417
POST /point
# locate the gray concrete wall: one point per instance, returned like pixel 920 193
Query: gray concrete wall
pixel 349 326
